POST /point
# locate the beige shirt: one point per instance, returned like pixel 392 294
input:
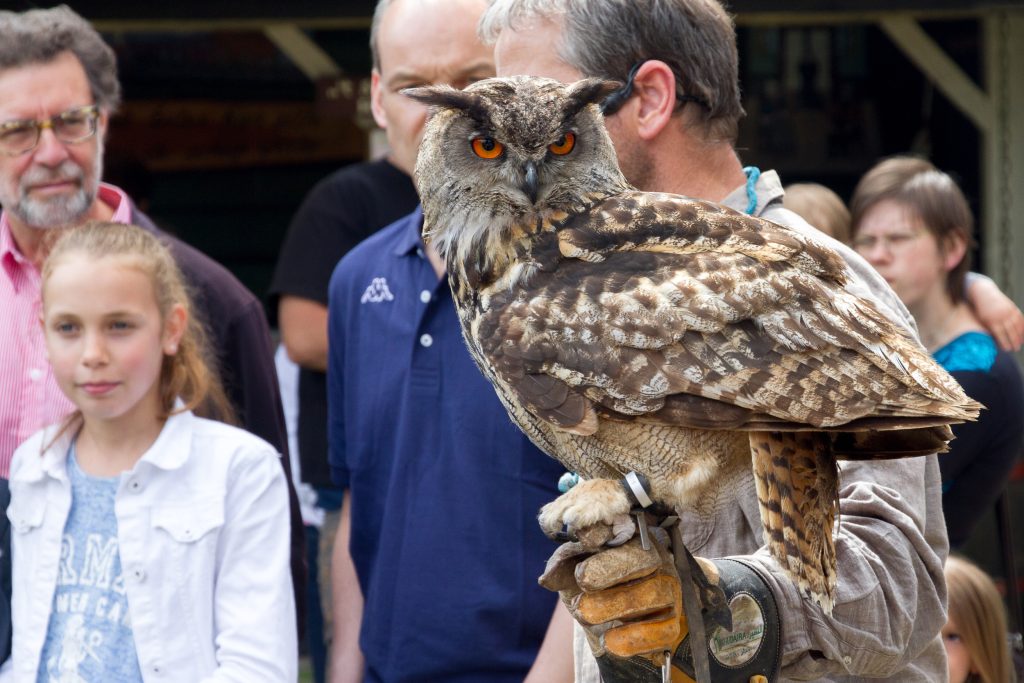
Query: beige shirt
pixel 890 547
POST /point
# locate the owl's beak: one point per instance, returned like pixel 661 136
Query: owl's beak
pixel 530 183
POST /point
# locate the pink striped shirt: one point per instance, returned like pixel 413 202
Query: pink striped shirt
pixel 29 396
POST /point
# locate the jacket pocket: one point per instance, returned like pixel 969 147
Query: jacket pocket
pixel 189 523
pixel 26 512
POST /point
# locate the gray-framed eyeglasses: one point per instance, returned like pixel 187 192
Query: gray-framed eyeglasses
pixel 74 125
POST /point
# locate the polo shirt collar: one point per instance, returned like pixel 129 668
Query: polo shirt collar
pixel 411 238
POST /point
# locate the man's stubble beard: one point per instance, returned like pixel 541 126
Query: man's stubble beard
pixel 638 167
pixel 62 211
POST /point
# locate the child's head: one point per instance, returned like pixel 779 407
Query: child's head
pixel 119 325
pixel 913 224
pixel 819 206
pixel 975 634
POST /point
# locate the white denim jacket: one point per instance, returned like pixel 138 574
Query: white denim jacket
pixel 203 532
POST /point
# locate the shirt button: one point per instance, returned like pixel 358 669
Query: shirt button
pixel 425 296
pixel 156 668
pixel 139 574
pixel 419 252
pixel 426 340
pixel 35 374
pixel 135 485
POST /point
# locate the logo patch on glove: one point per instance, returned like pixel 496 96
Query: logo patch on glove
pixel 733 649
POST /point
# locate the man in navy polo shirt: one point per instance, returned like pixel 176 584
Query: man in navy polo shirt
pixel 438 549
pixel 444 488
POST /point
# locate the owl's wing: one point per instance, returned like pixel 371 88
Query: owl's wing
pixel 666 309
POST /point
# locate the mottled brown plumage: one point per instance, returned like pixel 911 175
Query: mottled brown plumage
pixel 628 330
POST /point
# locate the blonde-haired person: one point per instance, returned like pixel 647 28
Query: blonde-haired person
pixel 167 530
pixel 821 207
pixel 975 634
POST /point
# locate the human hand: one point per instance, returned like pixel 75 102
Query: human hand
pixel 996 312
pixel 628 601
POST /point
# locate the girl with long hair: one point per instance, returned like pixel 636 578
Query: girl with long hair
pixel 147 543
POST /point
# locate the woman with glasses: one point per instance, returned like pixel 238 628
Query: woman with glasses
pixel 912 223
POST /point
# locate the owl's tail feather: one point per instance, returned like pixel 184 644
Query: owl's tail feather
pixel 798 489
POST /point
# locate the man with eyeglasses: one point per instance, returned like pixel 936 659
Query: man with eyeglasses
pixel 58 88
pixel 673 123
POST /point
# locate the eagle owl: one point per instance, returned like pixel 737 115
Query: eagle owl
pixel 637 331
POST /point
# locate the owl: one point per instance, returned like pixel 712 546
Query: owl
pixel 655 333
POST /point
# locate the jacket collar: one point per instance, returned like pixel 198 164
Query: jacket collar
pixel 169 452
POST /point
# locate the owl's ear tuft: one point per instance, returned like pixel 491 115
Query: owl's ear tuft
pixel 447 97
pixel 588 91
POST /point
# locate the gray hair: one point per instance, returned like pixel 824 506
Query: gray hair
pixel 39 36
pixel 606 38
pixel 378 16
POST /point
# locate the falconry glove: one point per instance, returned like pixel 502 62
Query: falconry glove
pixel 629 602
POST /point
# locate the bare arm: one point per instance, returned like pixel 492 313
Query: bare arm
pixel 554 660
pixel 304 331
pixel 996 311
pixel 346 659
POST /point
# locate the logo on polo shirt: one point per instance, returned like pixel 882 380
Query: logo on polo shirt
pixel 377 292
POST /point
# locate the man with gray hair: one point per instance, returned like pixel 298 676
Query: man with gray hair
pixel 58 89
pixel 673 122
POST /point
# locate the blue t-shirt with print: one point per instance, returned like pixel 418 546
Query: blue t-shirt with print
pixel 89 637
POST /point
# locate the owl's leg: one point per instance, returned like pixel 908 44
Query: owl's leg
pixel 590 502
pixel 798 489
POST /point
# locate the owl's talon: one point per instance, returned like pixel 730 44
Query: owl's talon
pixel 592 501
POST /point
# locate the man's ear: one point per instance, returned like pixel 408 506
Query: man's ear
pixel 654 89
pixel 101 124
pixel 375 105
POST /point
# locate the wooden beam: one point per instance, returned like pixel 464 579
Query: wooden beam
pixel 760 18
pixel 303 52
pixel 942 71
pixel 1002 219
pixel 198 25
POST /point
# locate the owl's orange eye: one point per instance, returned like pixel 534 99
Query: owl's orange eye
pixel 564 144
pixel 487 148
